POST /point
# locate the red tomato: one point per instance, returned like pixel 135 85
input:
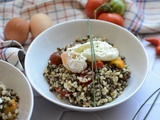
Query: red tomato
pixel 98 64
pixel 55 58
pixel 91 6
pixel 63 93
pixel 112 17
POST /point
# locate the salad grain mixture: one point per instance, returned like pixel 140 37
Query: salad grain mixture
pixel 8 103
pixel 110 78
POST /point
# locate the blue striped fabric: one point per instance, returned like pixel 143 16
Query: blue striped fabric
pixel 142 16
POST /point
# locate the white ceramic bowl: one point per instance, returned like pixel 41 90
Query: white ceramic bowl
pixel 13 78
pixel 65 33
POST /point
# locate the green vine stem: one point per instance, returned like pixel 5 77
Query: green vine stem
pixel 104 7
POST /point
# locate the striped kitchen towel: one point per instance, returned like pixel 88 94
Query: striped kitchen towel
pixel 142 16
pixel 12 52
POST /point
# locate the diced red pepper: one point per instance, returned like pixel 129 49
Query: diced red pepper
pixel 63 93
pixel 98 64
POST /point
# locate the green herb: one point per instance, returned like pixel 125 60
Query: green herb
pixel 93 60
pixel 151 105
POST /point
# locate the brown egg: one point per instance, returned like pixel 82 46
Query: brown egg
pixel 38 23
pixel 17 29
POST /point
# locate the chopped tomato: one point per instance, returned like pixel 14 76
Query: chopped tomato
pixel 98 64
pixel 63 93
pixel 118 63
pixel 11 108
pixel 55 58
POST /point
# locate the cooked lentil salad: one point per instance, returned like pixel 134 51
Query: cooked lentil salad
pixel 109 82
pixel 8 103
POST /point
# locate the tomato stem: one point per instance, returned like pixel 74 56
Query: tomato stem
pixel 104 7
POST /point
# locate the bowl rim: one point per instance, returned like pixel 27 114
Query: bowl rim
pixel 99 108
pixel 28 84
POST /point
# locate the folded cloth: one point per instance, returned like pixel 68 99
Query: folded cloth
pixel 141 16
pixel 12 52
